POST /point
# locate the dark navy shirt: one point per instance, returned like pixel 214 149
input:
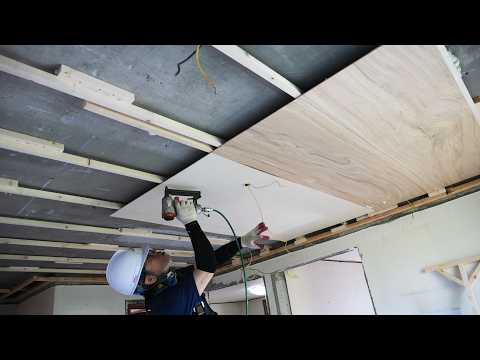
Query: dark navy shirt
pixel 179 299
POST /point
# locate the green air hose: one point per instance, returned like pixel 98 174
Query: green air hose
pixel 241 259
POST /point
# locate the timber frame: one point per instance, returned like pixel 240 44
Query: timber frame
pixel 468 282
pixel 50 280
pixel 98 92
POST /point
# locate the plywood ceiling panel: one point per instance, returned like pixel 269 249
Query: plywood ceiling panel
pixel 289 209
pixel 396 124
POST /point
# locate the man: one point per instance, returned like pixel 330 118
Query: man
pixel 177 292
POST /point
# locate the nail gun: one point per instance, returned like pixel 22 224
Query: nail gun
pixel 168 208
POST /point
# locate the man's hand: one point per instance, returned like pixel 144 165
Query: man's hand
pixel 186 211
pixel 257 233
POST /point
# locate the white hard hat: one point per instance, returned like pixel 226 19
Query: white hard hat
pixel 124 269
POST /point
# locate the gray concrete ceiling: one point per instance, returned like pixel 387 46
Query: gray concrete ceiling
pixel 241 100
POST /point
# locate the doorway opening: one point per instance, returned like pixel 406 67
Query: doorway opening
pixel 336 285
pixel 231 300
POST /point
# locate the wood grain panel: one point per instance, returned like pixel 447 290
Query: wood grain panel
pixel 394 125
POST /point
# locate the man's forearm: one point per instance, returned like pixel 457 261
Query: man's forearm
pixel 204 255
pixel 227 251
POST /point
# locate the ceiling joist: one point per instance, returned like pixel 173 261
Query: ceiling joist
pixel 30 145
pixel 145 126
pixel 71 280
pixel 19 287
pixel 66 260
pixel 55 259
pixel 36 269
pixel 251 63
pixel 145 233
pixel 10 186
pixel 90 89
pixel 80 246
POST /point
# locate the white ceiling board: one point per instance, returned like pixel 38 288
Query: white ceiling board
pixel 289 209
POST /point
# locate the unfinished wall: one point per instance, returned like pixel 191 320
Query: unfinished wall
pixel 40 304
pixel 89 300
pixel 395 253
pixel 8 309
pixel 227 308
pixel 255 307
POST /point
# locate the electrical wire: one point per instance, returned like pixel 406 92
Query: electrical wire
pixel 256 201
pixel 184 61
pixel 268 185
pixel 241 259
pixel 202 70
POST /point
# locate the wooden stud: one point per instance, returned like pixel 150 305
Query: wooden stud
pixel 86 93
pixel 475 274
pixel 81 246
pixel 137 232
pixel 300 240
pixel 464 261
pixel 35 269
pixel 65 260
pixel 145 126
pixel 56 259
pixel 383 211
pixel 257 67
pixel 266 250
pixel 438 192
pixel 361 217
pixel 28 293
pixel 339 228
pixel 72 279
pixel 26 144
pixel 450 277
pixel 11 187
pixel 19 287
pixel 76 78
pixel 470 290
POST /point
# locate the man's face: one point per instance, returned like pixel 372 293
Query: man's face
pixel 157 263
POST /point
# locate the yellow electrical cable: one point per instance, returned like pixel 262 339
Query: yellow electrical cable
pixel 202 70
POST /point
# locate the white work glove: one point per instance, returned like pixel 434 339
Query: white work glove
pixel 257 233
pixel 186 211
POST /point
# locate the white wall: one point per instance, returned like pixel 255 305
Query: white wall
pixel 89 300
pixel 40 304
pixel 328 288
pixel 395 253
